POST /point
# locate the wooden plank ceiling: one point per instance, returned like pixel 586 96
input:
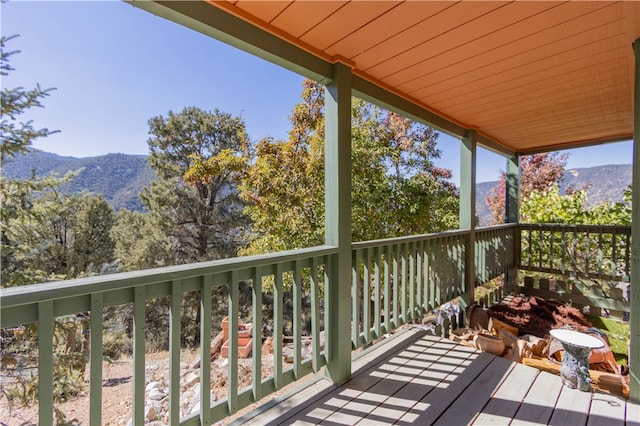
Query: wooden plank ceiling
pixel 529 75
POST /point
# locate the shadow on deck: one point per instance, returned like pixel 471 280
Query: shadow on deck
pixel 416 378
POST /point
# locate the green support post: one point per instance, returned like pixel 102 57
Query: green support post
pixel 512 215
pixel 634 356
pixel 468 150
pixel 338 221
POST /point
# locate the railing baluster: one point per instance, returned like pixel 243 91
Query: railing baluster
pixel 328 262
pixel 278 327
pixel 315 314
pixel 403 292
pixel 563 235
pixel 232 396
pixel 431 275
pixel 376 283
pixel 95 360
pixel 412 281
pixel 138 354
pixel 587 243
pixel 366 296
pixel 627 256
pixel 205 350
pixel 396 317
pixel 45 362
pixel 439 270
pixel 419 279
pixel 256 348
pixel 174 352
pixel 387 290
pixel 614 251
pixel 297 318
pixel 355 299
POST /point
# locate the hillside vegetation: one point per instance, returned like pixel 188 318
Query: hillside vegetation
pixel 604 184
pixel 117 177
pixel 120 177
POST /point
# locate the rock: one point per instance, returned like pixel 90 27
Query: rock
pixel 150 412
pixel 152 385
pixel 156 395
pixel 195 409
pixel 287 354
pixel 195 364
pixel 192 379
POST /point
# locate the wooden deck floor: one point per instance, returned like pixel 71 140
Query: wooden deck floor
pixel 422 380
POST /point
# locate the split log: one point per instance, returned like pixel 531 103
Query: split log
pixel 609 382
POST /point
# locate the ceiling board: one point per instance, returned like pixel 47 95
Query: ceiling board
pixel 528 75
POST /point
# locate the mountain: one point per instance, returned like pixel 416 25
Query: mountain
pixel 117 177
pixel 603 183
pixel 120 177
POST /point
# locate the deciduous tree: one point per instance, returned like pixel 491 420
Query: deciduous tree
pixel 396 188
pixel 537 173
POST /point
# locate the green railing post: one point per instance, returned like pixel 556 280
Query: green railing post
pixel 338 220
pixel 45 362
pixel 467 211
pixel 634 355
pixel 512 215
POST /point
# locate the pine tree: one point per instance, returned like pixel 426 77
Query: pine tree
pixel 16 196
pixel 199 158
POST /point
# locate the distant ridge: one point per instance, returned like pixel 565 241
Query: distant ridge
pixel 604 184
pixel 117 177
pixel 120 177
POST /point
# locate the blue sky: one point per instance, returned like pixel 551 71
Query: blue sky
pixel 115 66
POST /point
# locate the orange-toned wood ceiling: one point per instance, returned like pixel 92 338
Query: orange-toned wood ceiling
pixel 531 75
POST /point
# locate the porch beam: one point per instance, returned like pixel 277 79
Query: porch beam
pixel 338 221
pixel 634 355
pixel 215 22
pixel 468 155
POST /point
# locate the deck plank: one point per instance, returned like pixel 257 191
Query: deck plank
pixel 504 403
pixel 633 414
pixel 420 379
pixel 537 407
pixel 391 375
pixel 426 375
pixel 291 404
pixel 606 410
pixel 572 407
pixel 471 401
pixel 431 406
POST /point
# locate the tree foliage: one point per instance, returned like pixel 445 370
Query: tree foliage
pixel 139 241
pixel 199 158
pixel 17 195
pixel 549 206
pixel 538 172
pixel 396 188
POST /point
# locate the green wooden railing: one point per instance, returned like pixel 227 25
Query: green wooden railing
pixel 495 252
pixel 303 270
pixel 589 265
pixel 581 251
pixel 394 282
